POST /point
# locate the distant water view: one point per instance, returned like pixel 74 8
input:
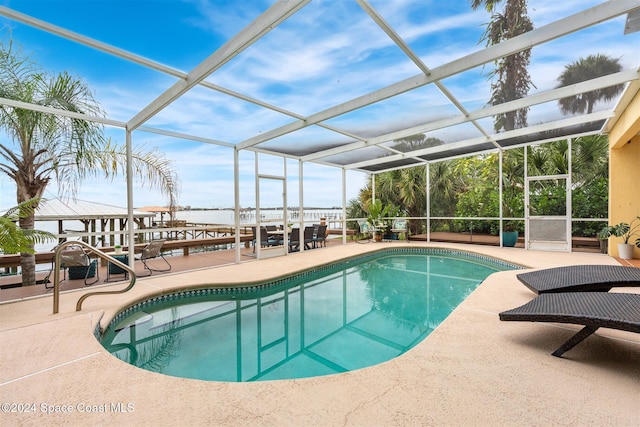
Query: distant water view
pixel 218 216
pixel 249 217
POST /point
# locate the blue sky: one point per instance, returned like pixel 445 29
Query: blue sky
pixel 327 53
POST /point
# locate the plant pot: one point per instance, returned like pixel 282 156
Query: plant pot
pixel 378 237
pixel 625 250
pixel 509 238
pixel 604 246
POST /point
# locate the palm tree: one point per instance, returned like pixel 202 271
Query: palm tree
pixel 401 188
pixel 512 80
pixel 590 159
pixel 591 67
pixel 558 163
pixel 412 190
pixel 443 188
pixel 44 146
pixel 416 142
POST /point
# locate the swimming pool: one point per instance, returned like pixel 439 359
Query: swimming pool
pixel 336 318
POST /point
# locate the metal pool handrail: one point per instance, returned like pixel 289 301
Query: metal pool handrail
pixel 100 254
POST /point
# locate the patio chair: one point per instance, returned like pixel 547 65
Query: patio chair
pixel 365 228
pixel 580 278
pixel 308 237
pixel 265 238
pixel 294 240
pixel 399 225
pixel 80 265
pixel 153 251
pixel 320 236
pixel 591 309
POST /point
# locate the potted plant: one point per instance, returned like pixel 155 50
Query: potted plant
pixel 509 228
pixel 626 231
pixel 377 215
pixel 509 234
pixel 117 249
pixel 375 218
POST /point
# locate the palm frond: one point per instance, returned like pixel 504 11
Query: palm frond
pixel 23 209
pixel 156 354
pixel 14 239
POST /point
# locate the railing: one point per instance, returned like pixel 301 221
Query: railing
pixel 174 230
pixel 100 254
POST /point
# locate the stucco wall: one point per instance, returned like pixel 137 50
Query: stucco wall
pixel 624 171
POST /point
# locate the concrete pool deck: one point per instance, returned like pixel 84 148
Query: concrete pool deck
pixel 473 369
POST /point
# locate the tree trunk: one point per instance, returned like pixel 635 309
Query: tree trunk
pixel 28 260
pixel 28 264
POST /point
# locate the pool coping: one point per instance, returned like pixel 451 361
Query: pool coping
pixel 472 369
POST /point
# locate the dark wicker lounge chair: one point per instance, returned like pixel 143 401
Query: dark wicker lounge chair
pixel 580 278
pixel 592 309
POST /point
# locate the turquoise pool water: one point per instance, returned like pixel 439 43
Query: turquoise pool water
pixel 334 319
